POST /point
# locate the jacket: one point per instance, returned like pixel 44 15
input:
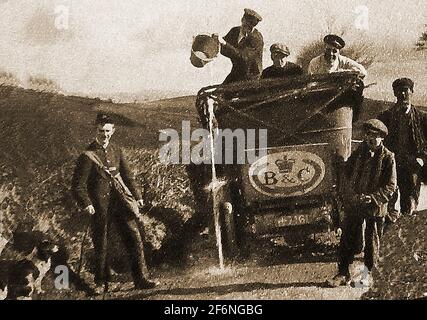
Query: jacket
pixel 90 187
pixel 374 176
pixel 246 55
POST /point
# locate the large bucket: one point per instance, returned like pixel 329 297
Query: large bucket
pixel 205 48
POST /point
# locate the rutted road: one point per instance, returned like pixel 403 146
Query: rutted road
pixel 261 277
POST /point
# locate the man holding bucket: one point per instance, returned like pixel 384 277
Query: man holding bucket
pixel 244 46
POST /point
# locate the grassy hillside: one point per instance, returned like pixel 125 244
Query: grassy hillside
pixel 42 135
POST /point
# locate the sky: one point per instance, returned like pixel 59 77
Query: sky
pixel 109 46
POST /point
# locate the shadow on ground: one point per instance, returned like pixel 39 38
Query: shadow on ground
pixel 225 289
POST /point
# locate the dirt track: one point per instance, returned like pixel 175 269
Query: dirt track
pixel 271 273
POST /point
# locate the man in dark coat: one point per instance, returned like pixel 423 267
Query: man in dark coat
pixel 244 46
pixel 407 139
pixel 93 191
pixel 370 183
pixel 281 68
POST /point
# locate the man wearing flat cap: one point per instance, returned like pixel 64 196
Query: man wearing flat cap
pixel 244 46
pixel 370 174
pixel 408 140
pixel 102 182
pixel 332 61
pixel 281 68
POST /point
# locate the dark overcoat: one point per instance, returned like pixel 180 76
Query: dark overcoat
pixel 374 176
pixel 416 121
pixel 246 55
pixel 91 187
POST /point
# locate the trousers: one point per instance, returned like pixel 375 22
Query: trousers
pixel 130 234
pixel 350 243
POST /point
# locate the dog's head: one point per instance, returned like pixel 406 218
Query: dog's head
pixel 46 249
pixel 27 242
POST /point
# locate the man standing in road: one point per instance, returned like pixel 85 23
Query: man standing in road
pixel 407 139
pixel 244 46
pixel 97 171
pixel 281 68
pixel 370 183
pixel 332 61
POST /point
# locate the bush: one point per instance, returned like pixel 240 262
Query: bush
pixel 422 41
pixel 12 212
pixel 9 79
pixel 43 84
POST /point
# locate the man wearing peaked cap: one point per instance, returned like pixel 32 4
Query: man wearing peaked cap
pixel 280 48
pixel 103 118
pixel 370 181
pixel 407 138
pixel 252 14
pixel 97 194
pixel 403 83
pixel 376 126
pixel 334 41
pixel 332 61
pixel 244 46
pixel 281 68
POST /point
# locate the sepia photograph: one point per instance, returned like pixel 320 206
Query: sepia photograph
pixel 233 152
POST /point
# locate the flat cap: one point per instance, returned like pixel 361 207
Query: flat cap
pixel 253 13
pixel 103 118
pixel 335 41
pixel 280 47
pixel 403 83
pixel 376 126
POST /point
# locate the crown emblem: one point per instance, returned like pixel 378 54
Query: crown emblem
pixel 285 165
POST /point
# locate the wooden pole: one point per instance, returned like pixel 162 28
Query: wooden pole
pixel 215 184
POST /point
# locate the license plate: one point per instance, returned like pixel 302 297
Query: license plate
pixel 296 220
pixel 263 223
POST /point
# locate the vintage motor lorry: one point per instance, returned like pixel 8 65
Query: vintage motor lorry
pixel 294 187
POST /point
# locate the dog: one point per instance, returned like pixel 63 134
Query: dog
pixel 21 278
pixel 24 277
pixel 41 256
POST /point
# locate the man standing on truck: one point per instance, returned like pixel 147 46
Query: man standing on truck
pixel 281 68
pixel 408 140
pixel 332 61
pixel 370 183
pixel 244 46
